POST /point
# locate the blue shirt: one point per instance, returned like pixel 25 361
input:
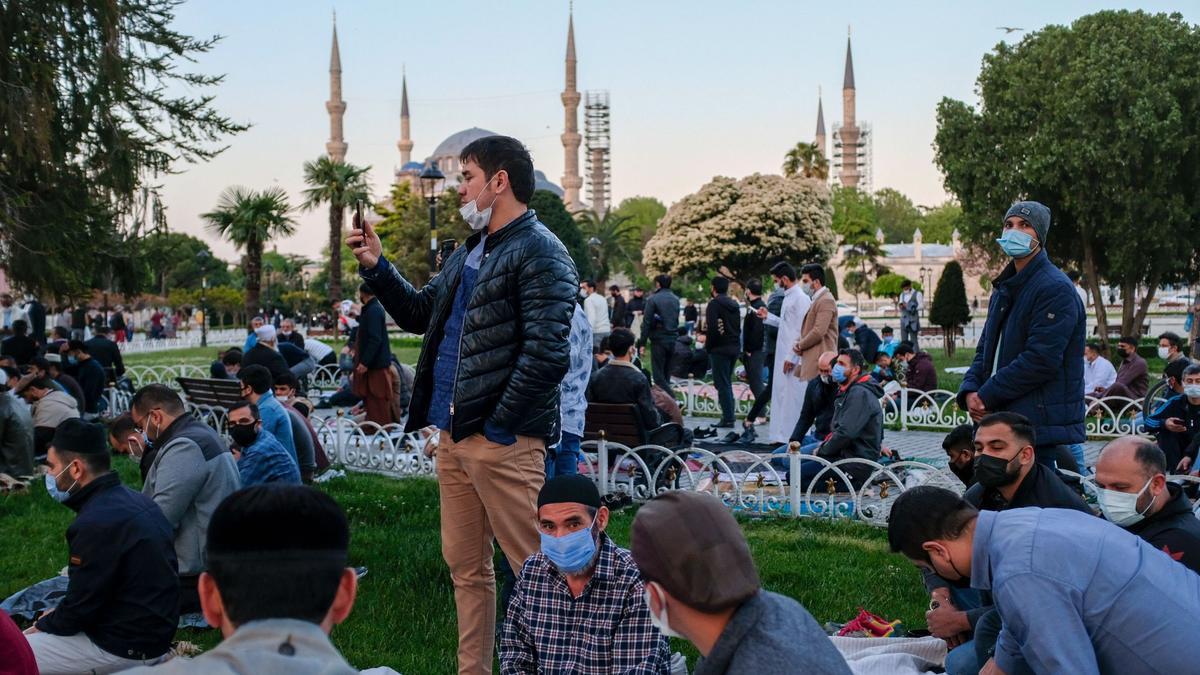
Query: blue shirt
pixel 574 385
pixel 1078 594
pixel 266 461
pixel 275 419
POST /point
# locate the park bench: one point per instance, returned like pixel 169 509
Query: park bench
pixel 621 423
pixel 211 393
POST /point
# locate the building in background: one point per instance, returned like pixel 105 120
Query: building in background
pixel 852 157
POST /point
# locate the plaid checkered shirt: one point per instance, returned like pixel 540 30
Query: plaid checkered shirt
pixel 606 630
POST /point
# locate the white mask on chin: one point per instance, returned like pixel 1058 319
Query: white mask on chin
pixel 659 620
pixel 477 219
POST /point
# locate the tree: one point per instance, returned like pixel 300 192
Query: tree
pixel 405 229
pixel 897 216
pixel 612 242
pixel 747 224
pixel 1103 131
pixel 949 309
pixel 170 259
pixel 807 161
pixel 95 105
pixel 645 214
pixel 831 283
pixel 250 219
pixel 341 186
pixel 940 222
pixel 888 285
pixel 855 222
pixel 554 215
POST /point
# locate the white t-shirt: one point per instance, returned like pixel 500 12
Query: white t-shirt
pixel 317 349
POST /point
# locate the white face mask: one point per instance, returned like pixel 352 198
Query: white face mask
pixel 807 288
pixel 1191 390
pixel 660 620
pixel 1164 352
pixel 1120 508
pixel 476 219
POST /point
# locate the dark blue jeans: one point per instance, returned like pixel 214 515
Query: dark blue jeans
pixel 563 459
pixel 722 369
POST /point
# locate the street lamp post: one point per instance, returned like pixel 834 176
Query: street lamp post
pixel 594 248
pixel 267 295
pixel 202 260
pixel 431 187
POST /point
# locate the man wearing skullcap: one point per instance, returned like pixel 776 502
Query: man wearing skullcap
pixel 579 605
pixel 122 601
pixel 265 353
pixel 277 583
pixel 701 585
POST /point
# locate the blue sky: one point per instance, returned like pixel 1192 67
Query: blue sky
pixel 699 88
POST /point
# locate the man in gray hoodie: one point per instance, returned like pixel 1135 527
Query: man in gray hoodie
pixel 857 431
pixel 192 472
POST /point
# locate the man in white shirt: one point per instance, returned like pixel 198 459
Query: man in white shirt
pixel 787 390
pixel 1098 372
pixel 321 352
pixel 596 309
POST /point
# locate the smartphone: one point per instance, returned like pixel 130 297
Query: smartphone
pixel 358 216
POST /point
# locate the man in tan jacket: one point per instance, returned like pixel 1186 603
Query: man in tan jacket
pixel 819 331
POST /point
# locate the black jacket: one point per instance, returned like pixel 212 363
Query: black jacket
pixel 688 360
pixel 770 333
pixel 92 380
pixel 262 355
pixel 21 347
pixel 722 326
pixel 109 355
pixel 857 426
pixel 1042 487
pixel 514 351
pixel 1175 445
pixel 36 312
pixel 123 591
pixel 618 311
pixel 817 411
pixel 752 328
pixel 1174 530
pixel 372 349
pixel 660 317
pixel 295 338
pixel 868 342
pixel 621 383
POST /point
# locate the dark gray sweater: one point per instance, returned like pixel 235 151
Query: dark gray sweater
pixel 772 633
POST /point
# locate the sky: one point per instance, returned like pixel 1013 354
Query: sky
pixel 698 88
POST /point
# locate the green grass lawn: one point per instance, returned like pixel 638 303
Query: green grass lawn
pixel 404 617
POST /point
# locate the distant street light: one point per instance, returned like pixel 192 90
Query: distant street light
pixel 432 181
pixel 202 260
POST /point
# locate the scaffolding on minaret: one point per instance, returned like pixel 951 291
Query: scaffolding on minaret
pixel 598 143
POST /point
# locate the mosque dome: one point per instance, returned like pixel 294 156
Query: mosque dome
pixel 454 144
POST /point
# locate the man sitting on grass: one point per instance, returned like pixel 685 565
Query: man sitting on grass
pixel 260 457
pixel 276 585
pixel 1075 594
pixel 579 605
pixel 122 601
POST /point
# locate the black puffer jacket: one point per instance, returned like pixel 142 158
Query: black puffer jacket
pixel 514 350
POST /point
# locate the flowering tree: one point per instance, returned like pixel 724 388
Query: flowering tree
pixel 746 225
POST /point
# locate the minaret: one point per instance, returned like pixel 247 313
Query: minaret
pixel 405 144
pixel 571 180
pixel 820 140
pixel 336 147
pixel 849 133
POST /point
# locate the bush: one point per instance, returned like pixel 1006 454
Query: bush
pixel 950 309
pixel 888 285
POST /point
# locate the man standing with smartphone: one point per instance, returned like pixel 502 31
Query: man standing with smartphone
pixel 496 322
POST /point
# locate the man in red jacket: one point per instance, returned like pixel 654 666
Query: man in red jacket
pixel 921 373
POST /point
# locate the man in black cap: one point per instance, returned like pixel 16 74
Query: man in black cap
pixel 579 605
pixel 265 543
pixel 122 601
pixel 701 585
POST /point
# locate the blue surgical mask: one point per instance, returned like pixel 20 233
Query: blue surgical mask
pixel 52 486
pixel 887 339
pixel 1016 243
pixel 71 360
pixel 570 553
pixel 839 373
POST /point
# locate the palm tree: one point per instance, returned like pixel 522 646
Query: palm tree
pixel 610 240
pixel 249 220
pixel 340 185
pixel 807 160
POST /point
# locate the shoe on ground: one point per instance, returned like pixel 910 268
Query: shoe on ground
pixel 867 624
pixel 748 436
pixel 731 437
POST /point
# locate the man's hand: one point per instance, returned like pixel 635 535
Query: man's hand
pixel 762 313
pixel 360 369
pixel 990 668
pixel 975 407
pixel 796 348
pixel 31 630
pixel 787 367
pixel 1176 425
pixel 365 244
pixel 946 622
pixel 1184 465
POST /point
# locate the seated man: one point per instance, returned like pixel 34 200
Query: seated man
pixel 263 352
pixel 1176 422
pixel 260 457
pixel 264 543
pixel 962 618
pixel 1098 372
pixel 289 334
pixel 90 375
pixel 50 406
pixel 622 382
pixel 919 371
pixel 227 367
pixel 701 585
pixel 191 473
pixel 579 605
pixel 959 445
pixel 51 366
pixel 1170 347
pixel 258 388
pixel 857 424
pixel 19 345
pixel 1133 378
pixel 882 373
pixel 122 601
pixel 888 342
pixel 1135 494
pixel 690 360
pixel 16 434
pixel 103 348
pixel 303 435
pixel 124 437
pixel 1075 594
pixel 816 417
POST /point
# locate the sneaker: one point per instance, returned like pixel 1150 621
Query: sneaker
pixel 748 436
pixel 705 432
pixel 867 624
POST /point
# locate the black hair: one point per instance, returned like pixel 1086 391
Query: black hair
pixel 886 330
pixel 814 272
pixel 1150 456
pixel 61 332
pixel 494 154
pixel 96 462
pixel 157 396
pixel 782 269
pixel 40 383
pixel 1020 425
pixel 40 363
pixel 266 541
pixel 365 289
pixel 907 283
pixel 122 426
pixel 257 377
pixel 754 286
pixel 1176 369
pixel 605 344
pixel 288 379
pixel 1073 275
pixel 1193 369
pixel 302 407
pixel 620 340
pixel 720 285
pixel 590 284
pixel 102 330
pixel 1095 346
pixel 246 404
pixel 77 346
pixel 926 513
pixel 233 357
pixel 905 348
pixel 20 326
pixel 614 287
pixel 960 437
pixel 1129 340
pixel 663 280
pixel 856 357
pixel 1170 337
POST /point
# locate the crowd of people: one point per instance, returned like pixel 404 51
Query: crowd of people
pixel 1022 575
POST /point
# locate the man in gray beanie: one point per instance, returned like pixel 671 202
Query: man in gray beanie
pixel 1029 359
pixel 701 585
